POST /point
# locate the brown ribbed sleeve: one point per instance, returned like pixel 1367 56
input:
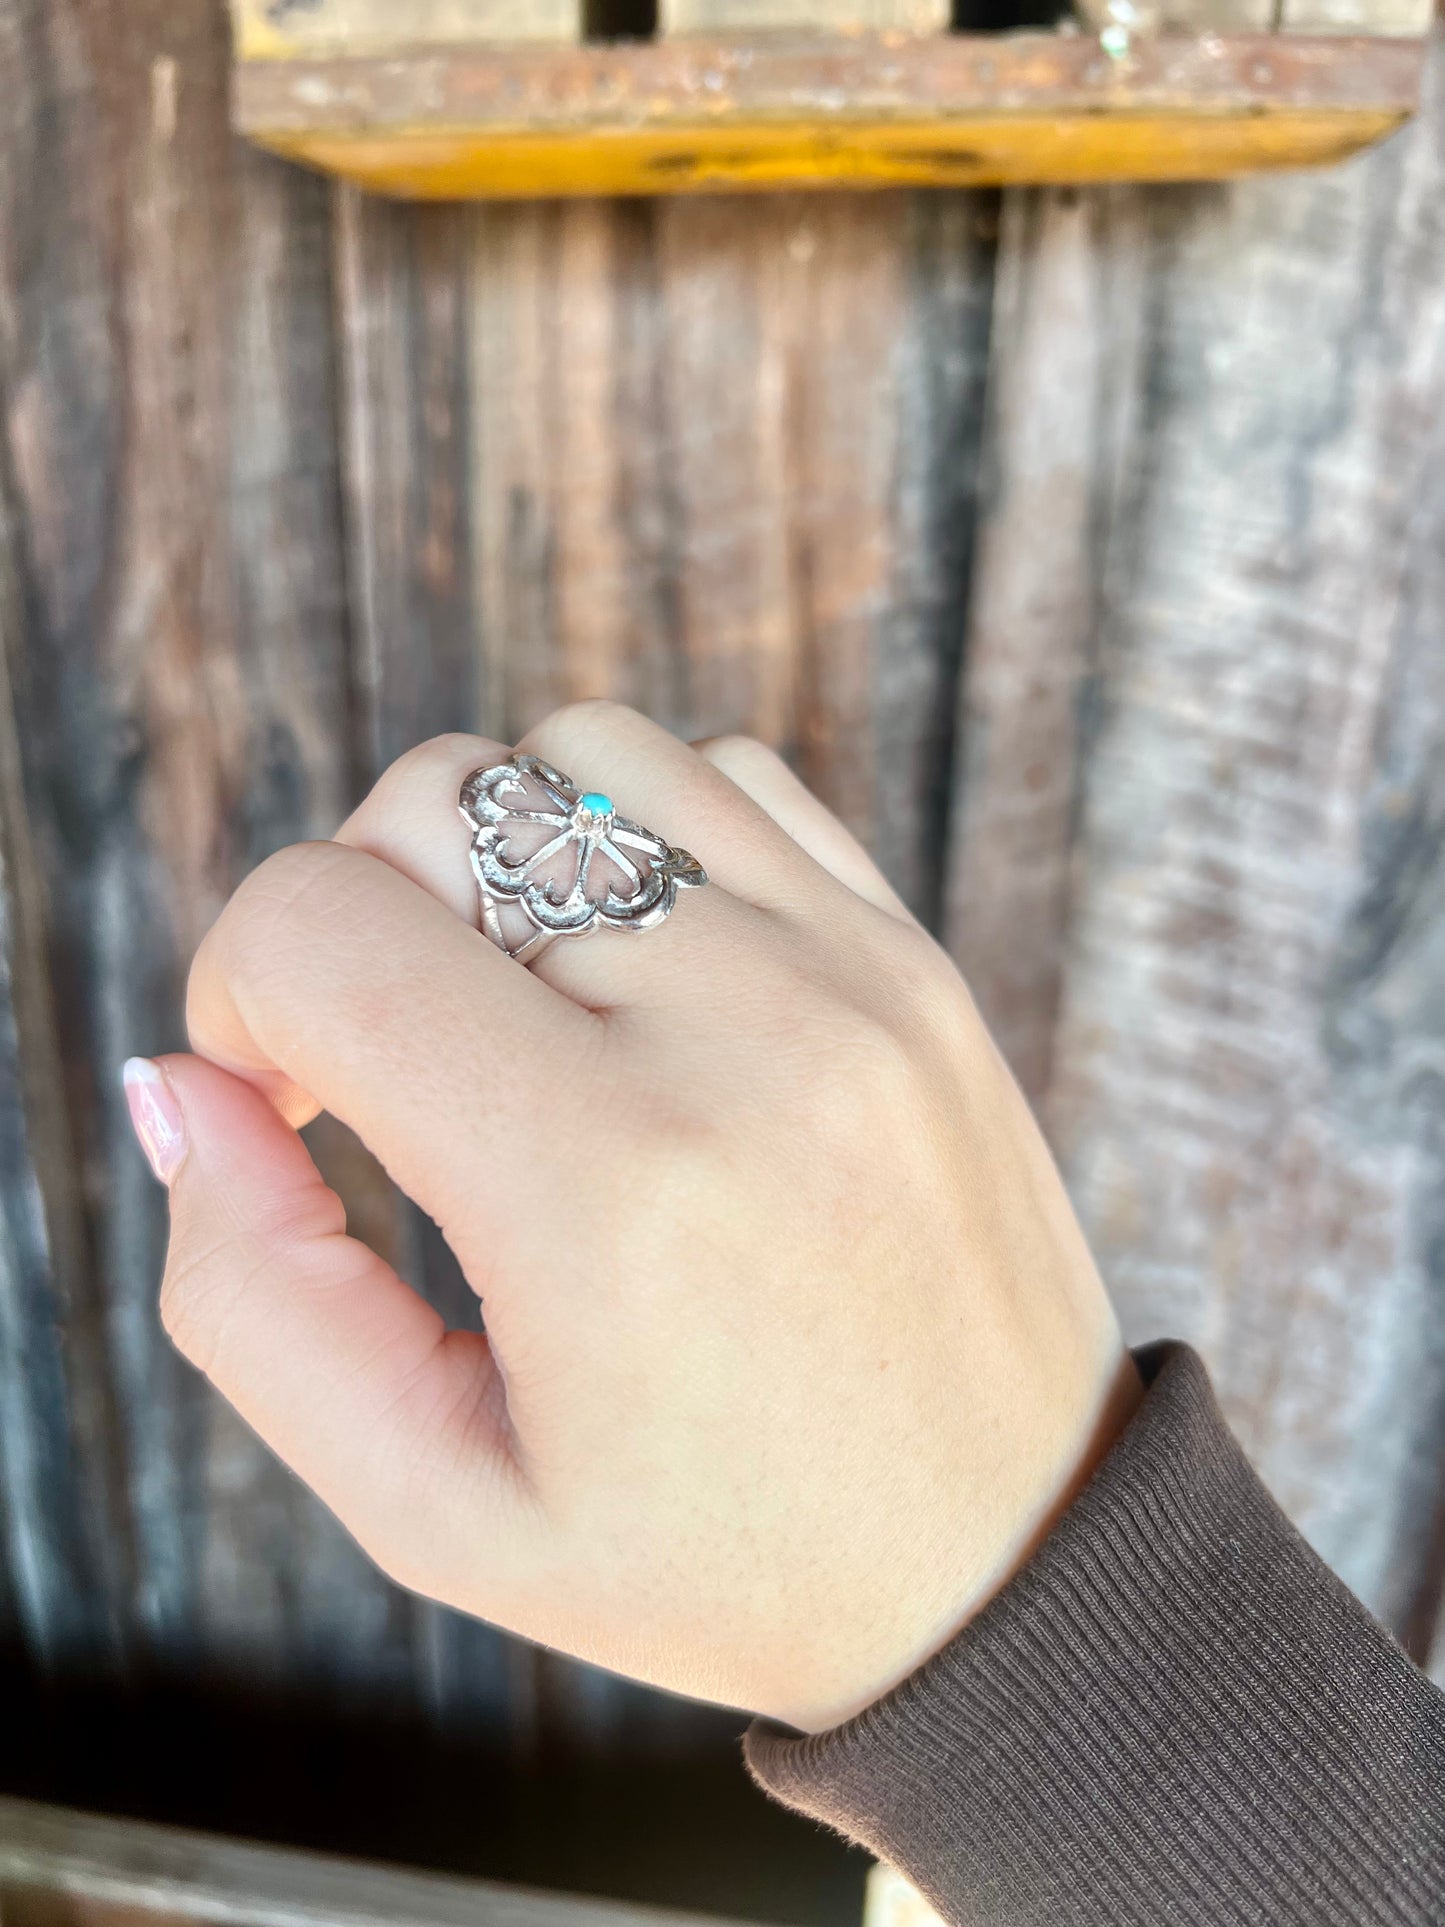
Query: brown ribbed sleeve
pixel 1173 1714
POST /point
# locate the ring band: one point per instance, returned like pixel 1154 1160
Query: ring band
pixel 564 857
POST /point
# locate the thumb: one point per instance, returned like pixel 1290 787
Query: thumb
pixel 398 1424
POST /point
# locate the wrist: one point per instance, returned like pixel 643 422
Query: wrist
pixel 1066 1468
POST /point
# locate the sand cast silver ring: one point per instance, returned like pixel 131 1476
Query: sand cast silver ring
pixel 554 860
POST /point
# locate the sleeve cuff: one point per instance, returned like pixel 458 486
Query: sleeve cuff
pixel 1174 1712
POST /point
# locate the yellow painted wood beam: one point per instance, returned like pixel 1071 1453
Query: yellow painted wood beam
pixel 787 111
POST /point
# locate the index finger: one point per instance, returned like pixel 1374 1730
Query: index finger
pixel 331 974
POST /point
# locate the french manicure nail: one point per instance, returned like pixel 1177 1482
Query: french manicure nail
pixel 156 1116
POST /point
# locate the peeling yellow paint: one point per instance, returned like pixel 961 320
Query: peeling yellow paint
pixel 435 163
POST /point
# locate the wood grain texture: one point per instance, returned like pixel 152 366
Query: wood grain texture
pixel 753 16
pixel 60 1868
pixel 64 1534
pixel 292 29
pixel 1406 18
pixel 169 446
pixel 571 515
pixel 1141 18
pixel 693 114
pixel 785 491
pixel 825 80
pixel 1242 1082
pixel 1062 412
pixel 824 367
pixel 61 451
pixel 401 330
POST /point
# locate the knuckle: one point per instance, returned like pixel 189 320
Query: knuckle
pixel 865 1073
pixel 285 878
pixel 409 790
pixel 292 891
pixel 585 721
pixel 189 1304
pixel 439 756
pixel 743 756
pixel 877 1067
pixel 937 1003
pixel 292 902
pixel 305 1222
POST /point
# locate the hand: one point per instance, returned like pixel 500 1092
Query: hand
pixel 793 1348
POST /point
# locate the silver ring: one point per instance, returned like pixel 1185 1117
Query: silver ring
pixel 564 857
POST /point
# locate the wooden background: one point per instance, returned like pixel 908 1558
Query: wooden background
pixel 1085 550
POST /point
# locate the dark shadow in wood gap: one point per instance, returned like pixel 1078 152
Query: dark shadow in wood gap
pixel 619 19
pixel 1006 16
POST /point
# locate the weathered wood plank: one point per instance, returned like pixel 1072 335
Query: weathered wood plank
pixel 57 380
pixel 294 29
pixel 170 437
pixel 64 1535
pixel 845 267
pixel 400 295
pixel 687 458
pixel 1409 19
pixel 729 381
pixel 696 114
pixel 1386 1001
pixel 943 355
pixel 1245 1078
pixel 60 1866
pixel 824 369
pixel 337 1619
pixel 1062 394
pixel 762 16
pixel 572 518
pixel 1136 20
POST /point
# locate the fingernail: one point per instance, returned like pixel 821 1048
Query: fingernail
pixel 156 1116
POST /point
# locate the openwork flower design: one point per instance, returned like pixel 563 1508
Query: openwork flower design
pixel 565 855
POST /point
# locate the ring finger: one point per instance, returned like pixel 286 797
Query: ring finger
pixel 410 820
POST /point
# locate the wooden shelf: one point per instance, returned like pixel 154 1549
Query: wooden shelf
pixel 686 115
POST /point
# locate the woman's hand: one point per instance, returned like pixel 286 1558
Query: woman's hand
pixel 793 1347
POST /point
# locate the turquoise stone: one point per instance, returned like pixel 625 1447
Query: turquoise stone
pixel 595 802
